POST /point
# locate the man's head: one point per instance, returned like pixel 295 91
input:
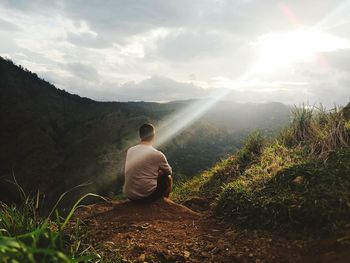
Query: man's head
pixel 147 132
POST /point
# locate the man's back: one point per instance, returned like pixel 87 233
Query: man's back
pixel 142 166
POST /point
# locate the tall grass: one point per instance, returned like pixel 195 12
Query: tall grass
pixel 27 237
pixel 321 131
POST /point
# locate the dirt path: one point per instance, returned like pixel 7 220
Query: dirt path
pixel 167 232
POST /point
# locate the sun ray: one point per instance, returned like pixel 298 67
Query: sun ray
pixel 180 120
pixel 284 50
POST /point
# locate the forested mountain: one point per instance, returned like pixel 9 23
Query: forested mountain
pixel 52 140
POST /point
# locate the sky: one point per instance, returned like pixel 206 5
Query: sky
pixel 158 50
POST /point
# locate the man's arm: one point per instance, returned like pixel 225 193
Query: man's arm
pixel 164 165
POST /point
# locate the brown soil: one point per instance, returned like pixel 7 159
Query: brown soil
pixel 164 231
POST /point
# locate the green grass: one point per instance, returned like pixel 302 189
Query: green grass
pixel 25 236
pixel 268 195
pixel 301 181
pixel 298 182
pixel 199 185
pixel 208 184
pixel 320 131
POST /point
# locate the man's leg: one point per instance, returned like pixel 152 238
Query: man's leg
pixel 169 186
pixel 164 187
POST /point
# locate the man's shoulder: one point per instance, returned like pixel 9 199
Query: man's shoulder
pixel 159 153
pixel 149 149
pixel 155 151
pixel 131 148
pixel 140 147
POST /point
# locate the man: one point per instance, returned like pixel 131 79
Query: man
pixel 147 172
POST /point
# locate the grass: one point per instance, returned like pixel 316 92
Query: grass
pixel 25 236
pixel 301 181
pixel 297 182
pixel 208 184
pixel 320 131
pixel 287 191
pixel 198 185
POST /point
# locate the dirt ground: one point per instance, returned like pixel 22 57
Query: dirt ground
pixel 164 231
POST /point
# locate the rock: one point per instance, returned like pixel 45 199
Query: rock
pixel 187 254
pixel 298 180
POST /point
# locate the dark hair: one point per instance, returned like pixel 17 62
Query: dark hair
pixel 147 132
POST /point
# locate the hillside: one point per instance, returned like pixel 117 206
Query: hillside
pixel 298 182
pixel 276 199
pixel 280 200
pixel 52 140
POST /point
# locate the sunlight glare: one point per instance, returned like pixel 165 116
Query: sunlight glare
pixel 278 51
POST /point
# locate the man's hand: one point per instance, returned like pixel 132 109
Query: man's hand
pixel 160 172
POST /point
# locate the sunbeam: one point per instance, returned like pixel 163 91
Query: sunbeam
pixel 276 51
pixel 333 19
pixel 180 120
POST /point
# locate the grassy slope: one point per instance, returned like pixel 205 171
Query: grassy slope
pixel 209 183
pixel 269 194
pixel 300 181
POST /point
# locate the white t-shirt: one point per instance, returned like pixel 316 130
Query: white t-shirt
pixel 141 170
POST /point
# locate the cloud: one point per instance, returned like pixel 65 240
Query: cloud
pixel 152 49
pixel 159 88
pixel 339 59
pixel 185 44
pixel 87 40
pixel 82 71
pixel 8 26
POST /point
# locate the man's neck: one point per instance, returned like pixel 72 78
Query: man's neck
pixel 146 143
